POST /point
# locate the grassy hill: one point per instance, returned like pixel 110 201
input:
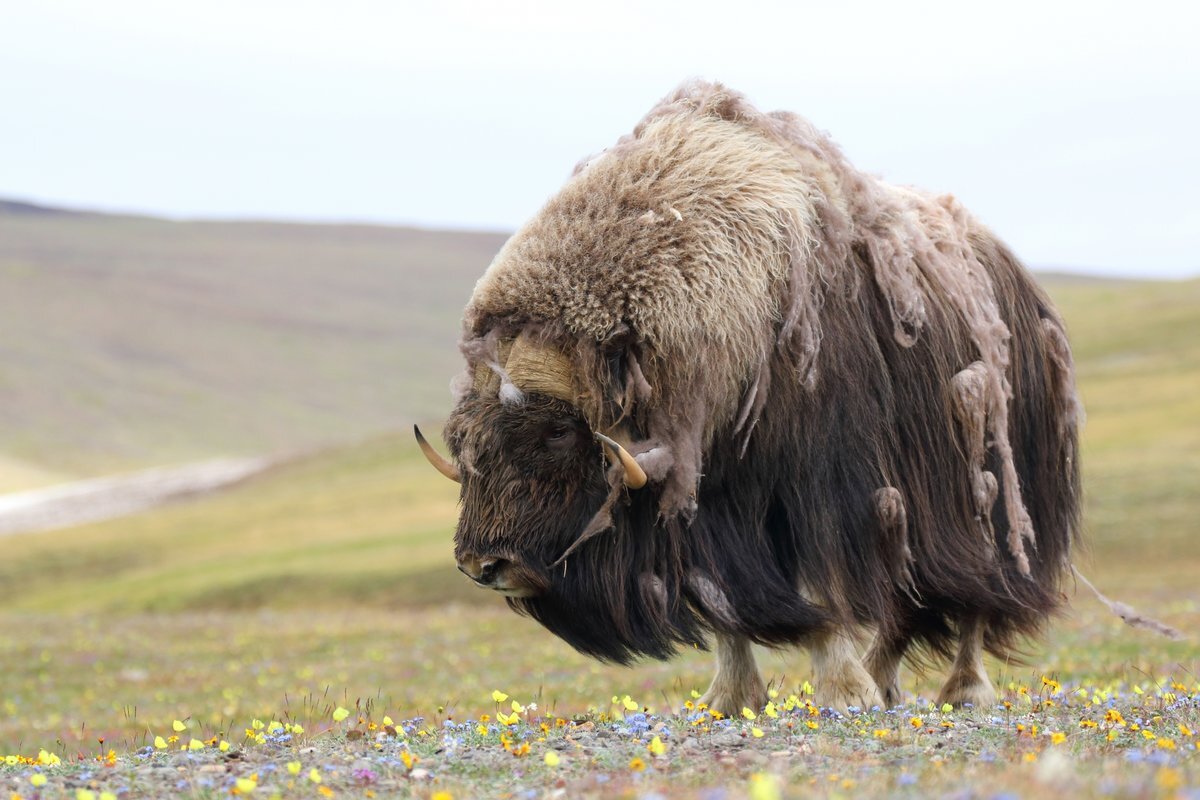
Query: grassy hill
pixel 370 524
pixel 129 341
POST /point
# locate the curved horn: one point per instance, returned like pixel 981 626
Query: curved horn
pixel 440 464
pixel 635 476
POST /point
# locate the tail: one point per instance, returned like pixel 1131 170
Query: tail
pixel 1130 615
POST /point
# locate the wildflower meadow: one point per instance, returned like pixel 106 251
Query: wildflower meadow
pixel 305 634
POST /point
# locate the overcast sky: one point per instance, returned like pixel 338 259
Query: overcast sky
pixel 1071 128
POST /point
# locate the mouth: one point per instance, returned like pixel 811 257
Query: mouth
pixel 513 591
pixel 500 583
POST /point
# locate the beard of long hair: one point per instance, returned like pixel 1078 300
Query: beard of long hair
pixel 647 587
pixel 620 596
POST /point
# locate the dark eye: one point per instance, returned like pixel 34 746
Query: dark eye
pixel 559 437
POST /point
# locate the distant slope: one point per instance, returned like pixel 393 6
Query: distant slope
pixel 128 341
pixel 371 524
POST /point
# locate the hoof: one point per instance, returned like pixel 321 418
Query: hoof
pixel 854 688
pixel 975 691
pixel 730 700
pixel 889 694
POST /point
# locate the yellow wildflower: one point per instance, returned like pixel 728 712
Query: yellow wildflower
pixel 764 787
pixel 1168 779
pixel 637 765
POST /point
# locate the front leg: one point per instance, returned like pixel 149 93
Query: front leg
pixel 737 684
pixel 841 681
pixel 883 663
pixel 969 681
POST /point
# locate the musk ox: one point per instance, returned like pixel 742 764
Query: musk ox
pixel 724 383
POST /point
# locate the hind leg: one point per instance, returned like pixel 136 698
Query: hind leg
pixel 883 663
pixel 968 681
pixel 737 684
pixel 841 681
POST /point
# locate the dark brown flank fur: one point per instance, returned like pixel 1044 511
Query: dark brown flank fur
pixel 844 463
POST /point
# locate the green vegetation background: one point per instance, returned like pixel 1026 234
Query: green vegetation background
pixel 128 342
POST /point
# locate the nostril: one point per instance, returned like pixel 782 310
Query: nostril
pixel 488 570
pixel 484 571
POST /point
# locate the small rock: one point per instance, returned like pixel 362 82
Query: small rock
pixel 726 739
pixel 420 774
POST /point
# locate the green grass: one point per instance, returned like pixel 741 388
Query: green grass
pixel 368 525
pixel 329 581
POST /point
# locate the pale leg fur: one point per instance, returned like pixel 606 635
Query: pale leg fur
pixel 841 681
pixel 968 681
pixel 737 684
pixel 883 663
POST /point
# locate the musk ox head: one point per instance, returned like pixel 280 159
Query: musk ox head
pixel 537 482
pixel 533 476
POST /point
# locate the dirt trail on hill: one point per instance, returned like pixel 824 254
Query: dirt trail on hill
pixel 98 499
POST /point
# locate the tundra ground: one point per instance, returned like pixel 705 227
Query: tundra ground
pixel 327 583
